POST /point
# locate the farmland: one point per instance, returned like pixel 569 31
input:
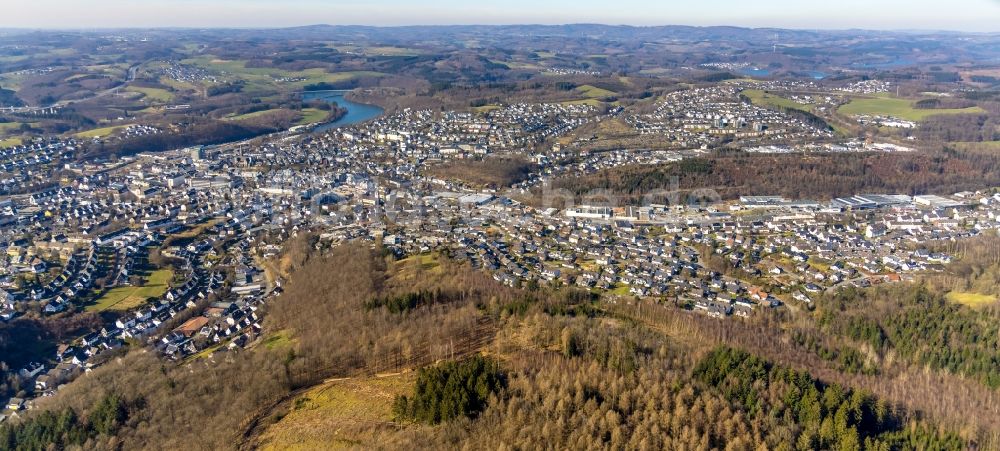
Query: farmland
pixel 6 127
pixel 100 132
pixel 312 116
pixel 255 114
pixel 988 146
pixel 486 108
pixel 594 92
pixel 155 94
pixel 265 78
pixel 380 50
pixel 765 99
pixel 896 107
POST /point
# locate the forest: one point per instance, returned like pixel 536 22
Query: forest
pixel 495 172
pixel 960 127
pixel 451 390
pixel 64 429
pixel 917 325
pixel 497 366
pixel 816 177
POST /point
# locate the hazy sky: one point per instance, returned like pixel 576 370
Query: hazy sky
pixel 970 15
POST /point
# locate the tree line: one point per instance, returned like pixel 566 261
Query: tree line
pixel 815 177
pixel 66 428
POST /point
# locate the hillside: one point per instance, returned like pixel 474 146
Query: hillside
pixel 347 341
pixel 817 177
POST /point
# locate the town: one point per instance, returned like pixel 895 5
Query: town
pixel 179 247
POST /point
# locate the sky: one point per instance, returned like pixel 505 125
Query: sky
pixel 960 15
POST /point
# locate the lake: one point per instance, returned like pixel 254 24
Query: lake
pixel 356 112
pixel 754 72
pixel 816 75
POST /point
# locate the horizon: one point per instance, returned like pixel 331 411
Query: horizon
pixel 979 16
pixel 471 24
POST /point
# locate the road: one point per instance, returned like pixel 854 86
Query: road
pixel 129 77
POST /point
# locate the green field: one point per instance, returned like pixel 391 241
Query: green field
pixel 9 59
pixel 346 413
pixel 309 115
pixel 312 116
pixel 99 132
pixel 974 300
pixel 75 77
pixel 265 78
pixel 10 142
pixel 318 75
pixel 519 66
pixel 654 71
pixel 901 108
pixel 127 298
pixel 379 50
pixel 418 266
pixel 279 339
pixel 985 145
pixel 178 85
pixel 621 290
pixel 765 99
pixel 485 108
pixel 157 94
pixel 260 113
pixel 13 80
pixel 6 127
pixel 594 92
pixel 42 54
pixel 184 238
pixel 204 353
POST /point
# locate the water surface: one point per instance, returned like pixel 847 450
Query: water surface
pixel 754 72
pixel 356 112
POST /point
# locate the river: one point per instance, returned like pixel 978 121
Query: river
pixel 356 112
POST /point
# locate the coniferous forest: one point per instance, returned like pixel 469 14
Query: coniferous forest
pixel 499 367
